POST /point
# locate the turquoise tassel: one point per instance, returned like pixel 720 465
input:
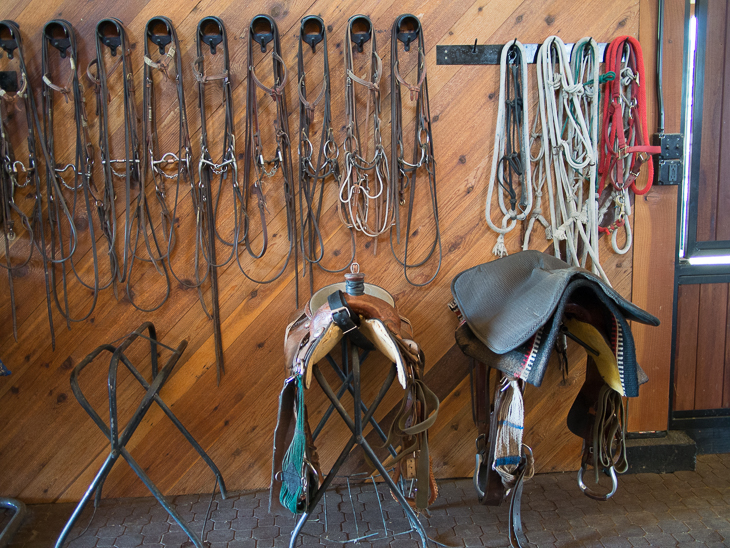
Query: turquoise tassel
pixel 293 464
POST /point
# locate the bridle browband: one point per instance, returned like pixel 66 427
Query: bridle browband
pixel 365 190
pixel 211 34
pixel 404 173
pixel 327 164
pixel 12 170
pixel 57 175
pixel 263 30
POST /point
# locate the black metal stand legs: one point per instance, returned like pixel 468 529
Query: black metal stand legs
pixel 362 416
pixel 119 440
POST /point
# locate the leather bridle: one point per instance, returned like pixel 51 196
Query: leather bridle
pixel 407 29
pixel 141 219
pixel 110 33
pixel 57 175
pixel 18 174
pixel 263 166
pixel 170 166
pixel 365 190
pixel 211 34
pixel 312 177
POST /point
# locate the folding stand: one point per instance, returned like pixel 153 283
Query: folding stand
pixel 119 441
pixel 350 375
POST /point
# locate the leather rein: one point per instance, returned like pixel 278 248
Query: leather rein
pixel 313 176
pixel 18 174
pixel 74 179
pixel 365 190
pixel 256 160
pixel 211 34
pixel 406 29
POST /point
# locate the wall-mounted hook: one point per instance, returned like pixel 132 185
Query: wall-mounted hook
pixel 474 50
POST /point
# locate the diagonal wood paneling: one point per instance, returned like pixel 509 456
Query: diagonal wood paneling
pixel 49 448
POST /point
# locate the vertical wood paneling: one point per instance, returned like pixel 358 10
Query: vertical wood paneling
pixel 726 370
pixel 711 346
pixel 49 448
pixel 685 364
pixel 723 185
pixel 712 121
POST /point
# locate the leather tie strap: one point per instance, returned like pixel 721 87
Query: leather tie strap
pixel 414 90
pixel 348 320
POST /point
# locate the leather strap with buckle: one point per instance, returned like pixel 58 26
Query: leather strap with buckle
pixel 348 320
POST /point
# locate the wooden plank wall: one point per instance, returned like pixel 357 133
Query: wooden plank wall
pixel 49 448
pixel 702 364
pixel 713 189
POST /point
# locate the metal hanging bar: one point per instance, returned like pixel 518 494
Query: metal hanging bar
pixel 489 54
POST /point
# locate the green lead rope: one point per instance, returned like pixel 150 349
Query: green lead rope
pixel 292 468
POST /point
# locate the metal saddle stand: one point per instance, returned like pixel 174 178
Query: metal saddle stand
pixel 349 374
pixel 119 440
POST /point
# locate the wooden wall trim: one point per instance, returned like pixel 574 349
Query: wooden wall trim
pixel 655 219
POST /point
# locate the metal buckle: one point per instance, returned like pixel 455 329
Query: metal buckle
pixel 349 315
pixel 341 308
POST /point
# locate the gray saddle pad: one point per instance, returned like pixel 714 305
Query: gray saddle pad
pixel 507 300
pixel 515 306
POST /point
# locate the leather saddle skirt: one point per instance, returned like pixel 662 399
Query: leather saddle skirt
pixel 514 308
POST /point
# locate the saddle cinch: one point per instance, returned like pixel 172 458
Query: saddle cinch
pixel 366 314
pixel 513 311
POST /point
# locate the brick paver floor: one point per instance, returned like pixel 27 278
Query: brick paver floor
pixel 681 509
